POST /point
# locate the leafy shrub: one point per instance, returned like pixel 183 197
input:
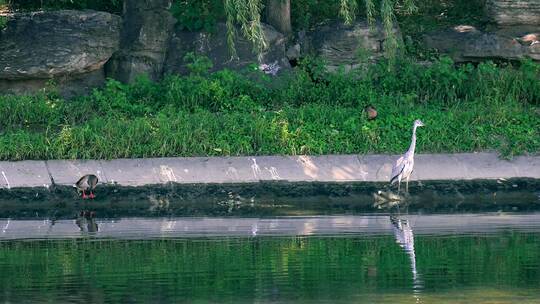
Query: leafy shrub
pixel 198 15
pixel 465 108
pixel 198 65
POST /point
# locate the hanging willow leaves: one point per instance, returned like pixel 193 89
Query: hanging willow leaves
pixel 370 11
pixel 387 15
pixel 256 33
pixel 409 7
pixel 347 10
pixel 247 14
pixel 231 29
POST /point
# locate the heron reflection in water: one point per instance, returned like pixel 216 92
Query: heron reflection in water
pixel 404 236
pixel 86 221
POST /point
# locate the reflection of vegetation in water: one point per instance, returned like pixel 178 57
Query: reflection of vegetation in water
pixel 3 22
pixel 258 268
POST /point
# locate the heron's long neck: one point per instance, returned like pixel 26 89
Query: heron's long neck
pixel 413 141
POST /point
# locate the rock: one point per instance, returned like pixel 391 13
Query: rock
pixel 293 52
pixel 214 46
pixel 467 44
pixel 68 86
pixel 147 29
pixel 514 12
pixel 45 45
pixel 345 45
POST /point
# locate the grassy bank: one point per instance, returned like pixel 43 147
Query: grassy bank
pixel 465 109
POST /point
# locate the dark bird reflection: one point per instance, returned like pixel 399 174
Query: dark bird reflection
pixel 86 221
pixel 404 236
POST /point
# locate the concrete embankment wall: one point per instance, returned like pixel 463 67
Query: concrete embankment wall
pixel 239 170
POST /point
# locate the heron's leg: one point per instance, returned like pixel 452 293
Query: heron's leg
pixel 407 185
pixel 84 195
pixel 92 194
pixel 398 185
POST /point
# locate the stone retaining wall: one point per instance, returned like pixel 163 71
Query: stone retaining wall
pixel 238 170
pixel 79 49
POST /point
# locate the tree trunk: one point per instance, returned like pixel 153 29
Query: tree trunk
pixel 278 15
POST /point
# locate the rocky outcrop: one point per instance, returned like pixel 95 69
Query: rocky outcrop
pixel 146 31
pixel 514 12
pixel 339 44
pixel 79 49
pixel 214 46
pixel 37 47
pixel 467 44
pixel 515 36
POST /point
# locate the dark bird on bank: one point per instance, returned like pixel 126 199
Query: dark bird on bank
pixel 403 167
pixel 371 112
pixel 87 183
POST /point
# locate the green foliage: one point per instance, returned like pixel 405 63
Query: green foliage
pixel 314 66
pixel 246 13
pixel 348 10
pixel 198 65
pixel 198 15
pixel 466 108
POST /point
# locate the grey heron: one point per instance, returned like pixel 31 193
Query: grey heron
pixel 403 167
pixel 85 183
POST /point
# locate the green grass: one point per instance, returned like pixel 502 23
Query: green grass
pixel 465 108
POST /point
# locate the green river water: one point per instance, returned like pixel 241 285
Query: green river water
pixel 366 258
